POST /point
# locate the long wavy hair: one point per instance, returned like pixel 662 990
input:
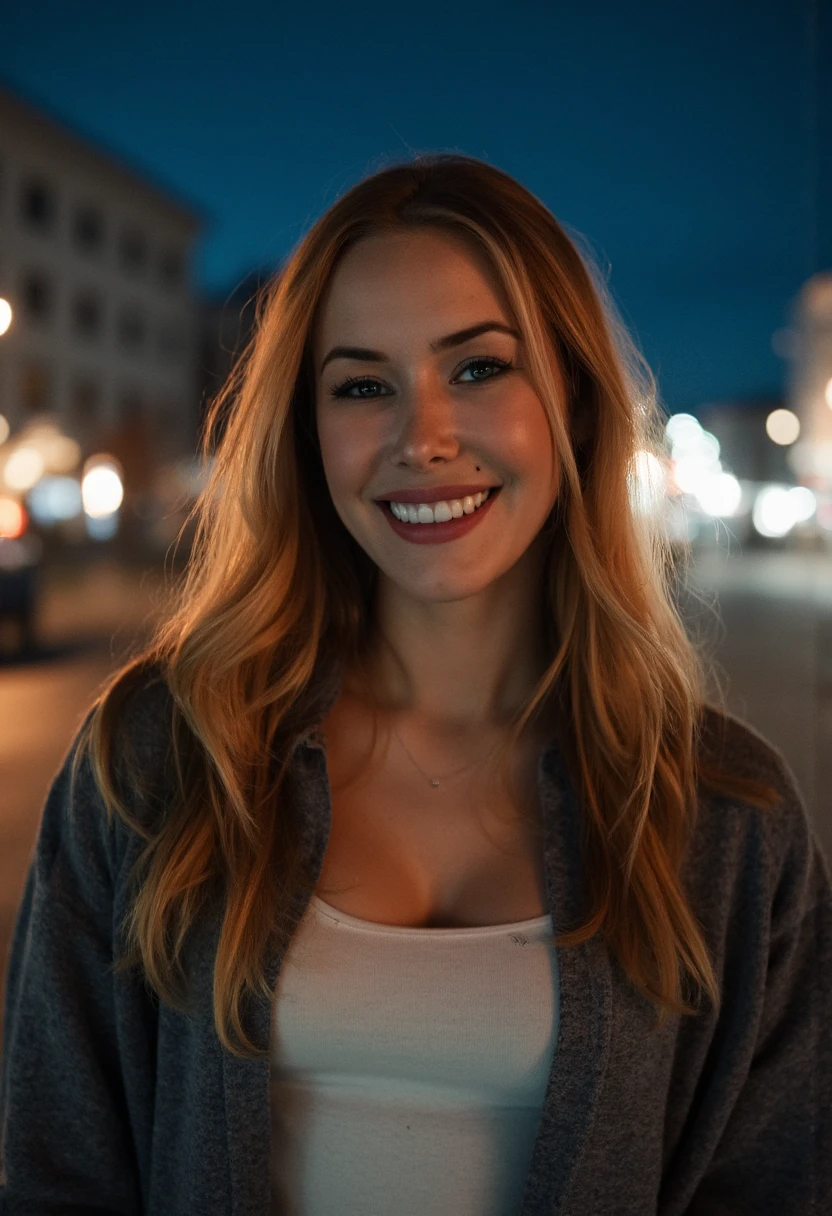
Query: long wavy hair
pixel 275 587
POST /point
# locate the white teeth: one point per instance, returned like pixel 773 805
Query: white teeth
pixel 438 512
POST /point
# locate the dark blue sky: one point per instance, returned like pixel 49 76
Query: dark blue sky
pixel 682 141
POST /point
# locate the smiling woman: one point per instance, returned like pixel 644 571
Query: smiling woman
pixel 271 927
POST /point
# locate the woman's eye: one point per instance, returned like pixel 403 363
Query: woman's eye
pixel 501 364
pixel 344 389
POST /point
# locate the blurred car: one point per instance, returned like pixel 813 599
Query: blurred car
pixel 20 557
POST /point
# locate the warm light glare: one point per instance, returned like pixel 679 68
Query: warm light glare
pixel 5 315
pixel 60 453
pixel 829 393
pixel 783 427
pixel 101 490
pixel 23 468
pixel 4 429
pixel 12 518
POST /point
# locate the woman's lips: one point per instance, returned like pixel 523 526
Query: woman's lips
pixel 432 534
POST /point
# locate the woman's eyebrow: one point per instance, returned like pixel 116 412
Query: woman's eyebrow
pixel 462 335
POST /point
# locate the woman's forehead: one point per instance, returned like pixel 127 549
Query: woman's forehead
pixel 393 289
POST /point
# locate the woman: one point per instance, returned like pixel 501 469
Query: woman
pixel 410 870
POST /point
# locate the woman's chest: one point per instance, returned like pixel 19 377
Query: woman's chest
pixel 402 852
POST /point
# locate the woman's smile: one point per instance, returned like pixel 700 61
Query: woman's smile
pixel 439 532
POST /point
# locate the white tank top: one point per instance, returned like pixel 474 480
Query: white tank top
pixel 409 1066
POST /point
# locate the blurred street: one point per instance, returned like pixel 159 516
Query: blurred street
pixel 774 649
pixel 88 619
pixel 774 646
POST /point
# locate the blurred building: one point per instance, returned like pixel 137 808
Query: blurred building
pixel 226 324
pixel 810 387
pixel 95 261
pixel 745 448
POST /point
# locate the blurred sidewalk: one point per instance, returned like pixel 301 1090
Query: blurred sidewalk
pixel 88 618
pixel 106 601
pixel 774 644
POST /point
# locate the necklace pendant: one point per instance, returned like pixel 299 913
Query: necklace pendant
pixel 434 783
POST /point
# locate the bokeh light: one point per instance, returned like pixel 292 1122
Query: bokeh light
pixel 61 454
pixel 782 427
pixel 23 468
pixel 12 518
pixel 804 503
pixel 54 499
pixel 719 495
pixel 775 510
pixel 102 489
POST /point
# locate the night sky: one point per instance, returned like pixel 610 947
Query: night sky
pixel 683 143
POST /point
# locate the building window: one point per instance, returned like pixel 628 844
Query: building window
pixel 36 389
pixel 88 229
pixel 131 329
pixel 38 203
pixel 172 268
pixel 87 314
pixel 85 401
pixel 133 249
pixel 37 296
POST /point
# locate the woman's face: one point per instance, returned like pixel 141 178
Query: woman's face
pixel 421 417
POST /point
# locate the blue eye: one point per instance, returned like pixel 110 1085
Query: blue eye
pixel 342 389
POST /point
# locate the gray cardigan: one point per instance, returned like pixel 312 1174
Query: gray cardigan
pixel 112 1102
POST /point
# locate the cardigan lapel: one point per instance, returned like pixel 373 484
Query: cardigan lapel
pixel 585 1002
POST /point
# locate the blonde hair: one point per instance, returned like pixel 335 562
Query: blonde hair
pixel 276 587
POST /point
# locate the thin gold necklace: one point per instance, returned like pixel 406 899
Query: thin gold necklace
pixel 432 781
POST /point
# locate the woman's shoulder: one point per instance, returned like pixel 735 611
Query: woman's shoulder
pixel 782 825
pixel 134 709
pixel 130 730
pixel 733 744
pixel 125 753
pixel 143 708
